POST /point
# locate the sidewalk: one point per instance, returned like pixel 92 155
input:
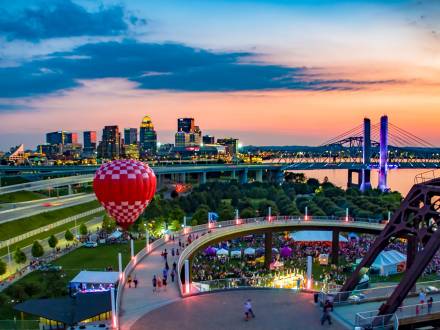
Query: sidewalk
pixel 137 302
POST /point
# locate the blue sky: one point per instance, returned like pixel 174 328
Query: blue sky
pixel 58 52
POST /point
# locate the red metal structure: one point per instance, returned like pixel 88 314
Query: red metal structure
pixel 417 220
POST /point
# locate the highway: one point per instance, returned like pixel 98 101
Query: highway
pixel 14 211
pixel 92 226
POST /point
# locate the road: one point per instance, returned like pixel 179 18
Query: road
pixel 14 211
pixel 92 225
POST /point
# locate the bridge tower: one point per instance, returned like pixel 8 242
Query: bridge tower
pixel 383 154
pixel 366 156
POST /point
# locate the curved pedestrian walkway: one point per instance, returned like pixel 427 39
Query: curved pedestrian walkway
pixel 136 302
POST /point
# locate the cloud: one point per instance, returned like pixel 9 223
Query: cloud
pixel 58 19
pixel 166 66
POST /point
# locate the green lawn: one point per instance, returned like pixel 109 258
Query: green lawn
pixel 21 196
pixel 47 234
pixel 53 284
pixel 21 226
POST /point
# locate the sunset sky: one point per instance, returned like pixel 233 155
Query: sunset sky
pixel 269 72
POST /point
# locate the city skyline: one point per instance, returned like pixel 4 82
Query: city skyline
pixel 252 67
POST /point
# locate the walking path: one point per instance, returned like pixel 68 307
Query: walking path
pixel 137 302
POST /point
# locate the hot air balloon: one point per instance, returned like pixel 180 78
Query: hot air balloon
pixel 124 188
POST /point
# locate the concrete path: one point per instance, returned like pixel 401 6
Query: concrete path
pixel 137 302
pixel 274 309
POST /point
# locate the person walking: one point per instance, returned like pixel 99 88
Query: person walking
pixel 172 252
pixel 135 281
pixel 173 273
pixel 164 283
pixel 159 283
pixel 167 267
pixel 430 301
pixel 174 266
pixel 129 280
pixel 422 298
pixel 328 307
pixel 248 305
pixel 154 280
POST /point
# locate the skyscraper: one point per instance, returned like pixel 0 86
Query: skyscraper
pixel 147 138
pixel 231 144
pixel 187 133
pixel 110 146
pixel 89 138
pixel 185 125
pixel 130 136
pixel 208 139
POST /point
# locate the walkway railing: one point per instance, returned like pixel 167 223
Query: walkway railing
pixel 426 176
pixel 368 294
pixel 228 227
pixel 370 320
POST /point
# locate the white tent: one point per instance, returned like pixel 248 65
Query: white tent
pixel 222 252
pixel 388 261
pixel 249 251
pixel 315 236
pixel 236 253
pixel 115 235
pixel 96 277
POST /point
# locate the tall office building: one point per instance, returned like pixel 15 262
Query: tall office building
pixel 89 141
pixel 110 146
pixel 187 135
pixel 61 137
pixel 130 136
pixel 147 138
pixel 185 125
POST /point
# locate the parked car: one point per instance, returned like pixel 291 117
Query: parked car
pixel 90 244
pixel 431 289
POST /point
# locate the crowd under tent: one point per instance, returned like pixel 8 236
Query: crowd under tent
pixel 60 313
pixel 93 281
pixel 249 251
pixel 315 236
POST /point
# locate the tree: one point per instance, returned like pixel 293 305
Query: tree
pixel 108 224
pixel 83 229
pixel 226 212
pixel 52 241
pixel 248 212
pixel 2 267
pixel 37 250
pixel 201 214
pixel 19 256
pixel 68 236
pixel 175 225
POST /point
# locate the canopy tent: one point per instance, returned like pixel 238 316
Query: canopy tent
pixel 353 236
pixel 249 251
pixel 95 277
pixel 389 262
pixel 115 235
pixel 236 253
pixel 286 252
pixel 222 252
pixel 314 236
pixel 211 251
pixel 275 250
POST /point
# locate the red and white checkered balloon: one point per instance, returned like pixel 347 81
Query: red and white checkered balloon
pixel 125 188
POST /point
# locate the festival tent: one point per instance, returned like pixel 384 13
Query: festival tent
pixel 275 250
pixel 210 251
pixel 315 236
pixel 115 235
pixel 236 253
pixel 353 236
pixel 249 251
pixel 286 252
pixel 222 252
pixel 388 262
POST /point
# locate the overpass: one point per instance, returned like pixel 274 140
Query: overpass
pixel 179 173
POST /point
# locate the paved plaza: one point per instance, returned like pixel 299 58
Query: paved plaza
pixel 274 309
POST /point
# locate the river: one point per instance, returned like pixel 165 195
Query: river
pixel 398 179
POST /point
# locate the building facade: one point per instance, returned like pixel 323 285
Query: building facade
pixel 89 139
pixel 231 145
pixel 110 146
pixel 130 136
pixel 147 138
